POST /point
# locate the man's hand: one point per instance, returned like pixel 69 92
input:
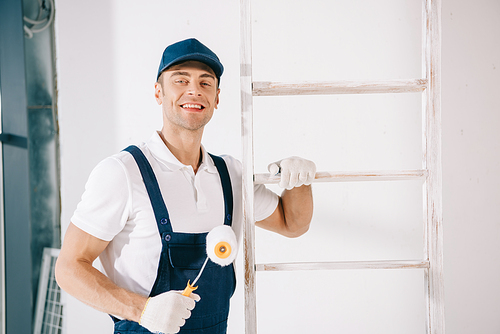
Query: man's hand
pixel 295 172
pixel 167 312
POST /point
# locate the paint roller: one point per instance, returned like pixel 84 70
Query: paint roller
pixel 221 248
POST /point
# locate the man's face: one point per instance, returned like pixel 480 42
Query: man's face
pixel 188 94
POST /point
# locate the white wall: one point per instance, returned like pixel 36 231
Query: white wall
pixel 108 53
pixel 471 165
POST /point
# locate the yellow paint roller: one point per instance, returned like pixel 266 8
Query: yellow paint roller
pixel 221 248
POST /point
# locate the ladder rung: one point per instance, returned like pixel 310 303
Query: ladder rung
pixel 410 264
pixel 417 174
pixel 265 88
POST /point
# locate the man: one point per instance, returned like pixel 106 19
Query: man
pixel 149 252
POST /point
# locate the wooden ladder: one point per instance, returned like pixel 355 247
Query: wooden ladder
pixel 430 87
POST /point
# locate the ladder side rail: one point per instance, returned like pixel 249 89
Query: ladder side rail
pixel 267 88
pixel 432 162
pixel 343 265
pixel 248 163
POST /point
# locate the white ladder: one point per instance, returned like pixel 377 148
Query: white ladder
pixel 430 86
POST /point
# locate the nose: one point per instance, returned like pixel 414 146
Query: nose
pixel 193 89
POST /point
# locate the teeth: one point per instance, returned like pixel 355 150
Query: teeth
pixel 189 106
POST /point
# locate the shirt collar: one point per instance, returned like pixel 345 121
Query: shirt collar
pixel 163 155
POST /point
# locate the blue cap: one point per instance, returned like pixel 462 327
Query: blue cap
pixel 190 49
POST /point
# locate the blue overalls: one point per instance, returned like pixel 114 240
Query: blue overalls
pixel 182 257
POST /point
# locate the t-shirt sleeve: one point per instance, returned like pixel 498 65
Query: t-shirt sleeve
pixel 265 202
pixel 104 206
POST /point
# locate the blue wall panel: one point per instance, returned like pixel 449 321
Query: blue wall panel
pixel 18 277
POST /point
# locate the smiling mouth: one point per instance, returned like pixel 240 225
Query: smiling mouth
pixel 192 106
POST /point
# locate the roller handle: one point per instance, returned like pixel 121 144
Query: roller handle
pixel 189 288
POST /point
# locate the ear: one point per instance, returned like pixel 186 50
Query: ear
pixel 217 98
pixel 158 93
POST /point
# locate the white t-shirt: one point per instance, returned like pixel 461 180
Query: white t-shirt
pixel 115 207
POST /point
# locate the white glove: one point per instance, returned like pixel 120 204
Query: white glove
pixel 295 172
pixel 167 312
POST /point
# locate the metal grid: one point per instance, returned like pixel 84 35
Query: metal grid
pixel 49 312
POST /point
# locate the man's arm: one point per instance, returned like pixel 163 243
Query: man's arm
pixel 76 275
pixel 293 214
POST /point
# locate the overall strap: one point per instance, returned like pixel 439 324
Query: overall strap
pixel 226 188
pixel 149 178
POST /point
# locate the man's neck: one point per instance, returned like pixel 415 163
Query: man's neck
pixel 187 149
